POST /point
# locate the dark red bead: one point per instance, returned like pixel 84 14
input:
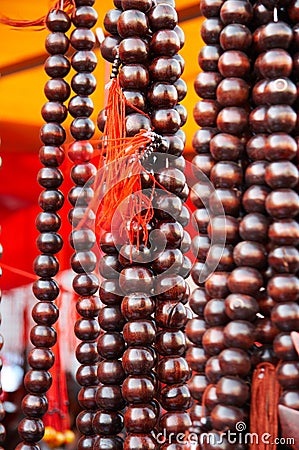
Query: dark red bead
pixel 138 361
pixel 208 58
pixel 287 373
pixel 172 370
pixel 213 340
pixel 31 430
pixel 165 42
pixel 111 372
pixel 234 361
pixel 235 36
pixel 34 406
pixel 56 43
pixel 43 336
pixel 58 20
pixel 111 345
pixel 132 23
pixel 41 358
pixel 138 389
pixel 37 381
pixel 210 30
pixel 108 423
pixel 140 418
pixel 232 391
pixel 234 63
pixel 109 398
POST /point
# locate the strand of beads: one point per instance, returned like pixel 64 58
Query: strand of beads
pixel 276 93
pixel 82 239
pixel 45 312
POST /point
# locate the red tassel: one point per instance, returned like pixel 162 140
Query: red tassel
pixel 67 6
pixel 265 394
pixel 118 184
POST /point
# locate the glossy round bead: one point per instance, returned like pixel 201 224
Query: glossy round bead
pixel 80 106
pixel 139 332
pixel 108 423
pixel 84 16
pixel 133 50
pixel 58 21
pixel 232 391
pixel 280 146
pixel 109 398
pixel 132 23
pixel 138 360
pixel 284 232
pixel 136 122
pixel 109 47
pixel 34 406
pixel 205 113
pixel 195 330
pixel 166 120
pixel 286 316
pixel 233 63
pixel 225 146
pixel 205 84
pixel 56 43
pixel 213 340
pixel 171 314
pixel 223 416
pixel 232 92
pixel 280 118
pixel 236 11
pixel 273 35
pixel 197 385
pixel 87 396
pixel 254 199
pixel 196 358
pixel 51 156
pixel 136 279
pixel 208 58
pixel 52 133
pixel 210 8
pixel 172 370
pixel 254 227
pixel 46 266
pixel 111 319
pixel 54 112
pixel 87 329
pixel 165 69
pixel 163 16
pixel 245 280
pixel 274 63
pixel 218 226
pixel 86 375
pixel 283 287
pixel 140 418
pixel 250 253
pixel 111 345
pixel 234 361
pixel 110 292
pixel 142 5
pixel 86 442
pixel 284 259
pixel 31 430
pixel 83 83
pixel 41 358
pixel 235 36
pixel 165 42
pixel 137 306
pixel 214 312
pixel 210 30
pixel 57 66
pixel 85 284
pixel 139 442
pixel 255 173
pixel 162 95
pixel 232 120
pixel 111 372
pixel 82 39
pixel 239 333
pixel 175 422
pixel 290 399
pixel 284 347
pixel 43 336
pixel 86 353
pixel 138 389
pixel 46 290
pixel 216 285
pixel 282 174
pixel 57 90
pixel 287 373
pixel 226 174
pixel 37 381
pixel 282 203
pixel 88 307
pixel 240 306
pixel 212 369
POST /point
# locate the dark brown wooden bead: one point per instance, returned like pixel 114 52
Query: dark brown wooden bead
pixel 241 307
pixel 132 23
pixel 83 83
pixel 136 122
pixel 46 266
pixel 34 406
pixel 84 16
pixel 213 370
pixel 171 314
pixel 88 307
pixel 284 232
pixel 254 227
pixel 87 397
pixel 139 442
pixel 163 16
pixel 135 279
pixel 226 174
pixel 133 50
pixel 137 306
pixel 43 336
pixel 31 430
pixel 213 340
pixel 232 391
pixel 198 300
pixel 54 112
pixel 273 35
pixel 284 347
pixel 56 43
pixel 80 106
pixel 139 332
pixel 57 66
pixel 85 284
pixel 282 174
pixel 86 442
pixel 50 177
pixel 282 203
pixel 235 36
pixel 111 345
pixel 214 312
pixel 233 63
pixel 257 119
pixel 197 385
pixel 205 113
pixel 165 69
pixel 221 257
pixel 86 375
pixel 280 118
pixel 274 63
pixel 46 290
pixel 82 39
pixel 195 330
pixel 205 84
pixel 84 422
pixel 229 202
pixel 83 261
pixel 210 30
pixel 108 423
pixel 51 156
pixel 87 329
pixel 232 120
pixel 238 11
pixel 290 399
pixel 172 370
pixel 109 47
pixel 280 146
pixel 240 334
pixel 216 285
pixel 211 8
pixel 232 92
pixel 166 121
pixel 110 267
pixel 208 58
pixel 223 416
pixel 52 133
pixel 138 389
pixel 140 418
pixel 57 90
pixel 245 280
pixel 110 20
pixel 110 292
pixel 255 173
pixel 284 259
pixel 170 288
pixel 41 358
pixel 86 353
pixel 286 316
pixel 142 5
pixel 196 358
pixel 234 361
pixel 58 20
pixel 254 199
pixel 37 381
pixel 219 226
pixel 45 313
pixel 287 373
pixel 109 398
pixel 250 253
pixel 111 319
pixel 49 243
pixel 138 360
pixel 82 239
pixel 175 422
pixel 162 95
pixel 111 372
pixel 165 43
pixel 283 288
